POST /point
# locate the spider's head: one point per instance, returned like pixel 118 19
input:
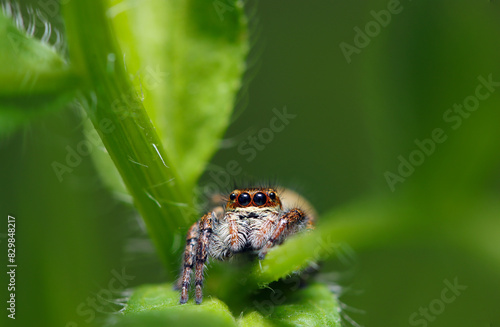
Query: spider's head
pixel 249 198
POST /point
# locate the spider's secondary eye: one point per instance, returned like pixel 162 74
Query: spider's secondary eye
pixel 232 197
pixel 244 199
pixel 272 196
pixel 259 199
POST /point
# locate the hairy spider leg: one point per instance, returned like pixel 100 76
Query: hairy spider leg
pixel 189 257
pixel 206 224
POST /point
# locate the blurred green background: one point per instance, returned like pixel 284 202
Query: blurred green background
pixel 353 121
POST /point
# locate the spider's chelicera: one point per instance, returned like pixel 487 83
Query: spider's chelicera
pixel 253 219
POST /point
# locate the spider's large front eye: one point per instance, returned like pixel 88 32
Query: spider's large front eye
pixel 244 199
pixel 259 199
pixel 232 197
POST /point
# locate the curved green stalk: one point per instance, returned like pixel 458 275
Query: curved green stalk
pixel 118 115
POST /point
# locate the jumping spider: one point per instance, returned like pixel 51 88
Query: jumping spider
pixel 253 219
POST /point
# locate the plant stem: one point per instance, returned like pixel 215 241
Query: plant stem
pixel 118 115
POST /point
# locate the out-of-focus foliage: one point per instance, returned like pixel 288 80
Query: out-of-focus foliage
pixel 34 79
pixel 388 246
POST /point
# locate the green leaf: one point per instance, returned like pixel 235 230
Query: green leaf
pixel 34 78
pixel 187 58
pixel 152 305
pixel 314 305
pixel 252 319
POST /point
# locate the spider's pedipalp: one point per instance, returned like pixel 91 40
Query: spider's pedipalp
pixel 289 223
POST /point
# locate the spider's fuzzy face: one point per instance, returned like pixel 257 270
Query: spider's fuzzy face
pixel 252 198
